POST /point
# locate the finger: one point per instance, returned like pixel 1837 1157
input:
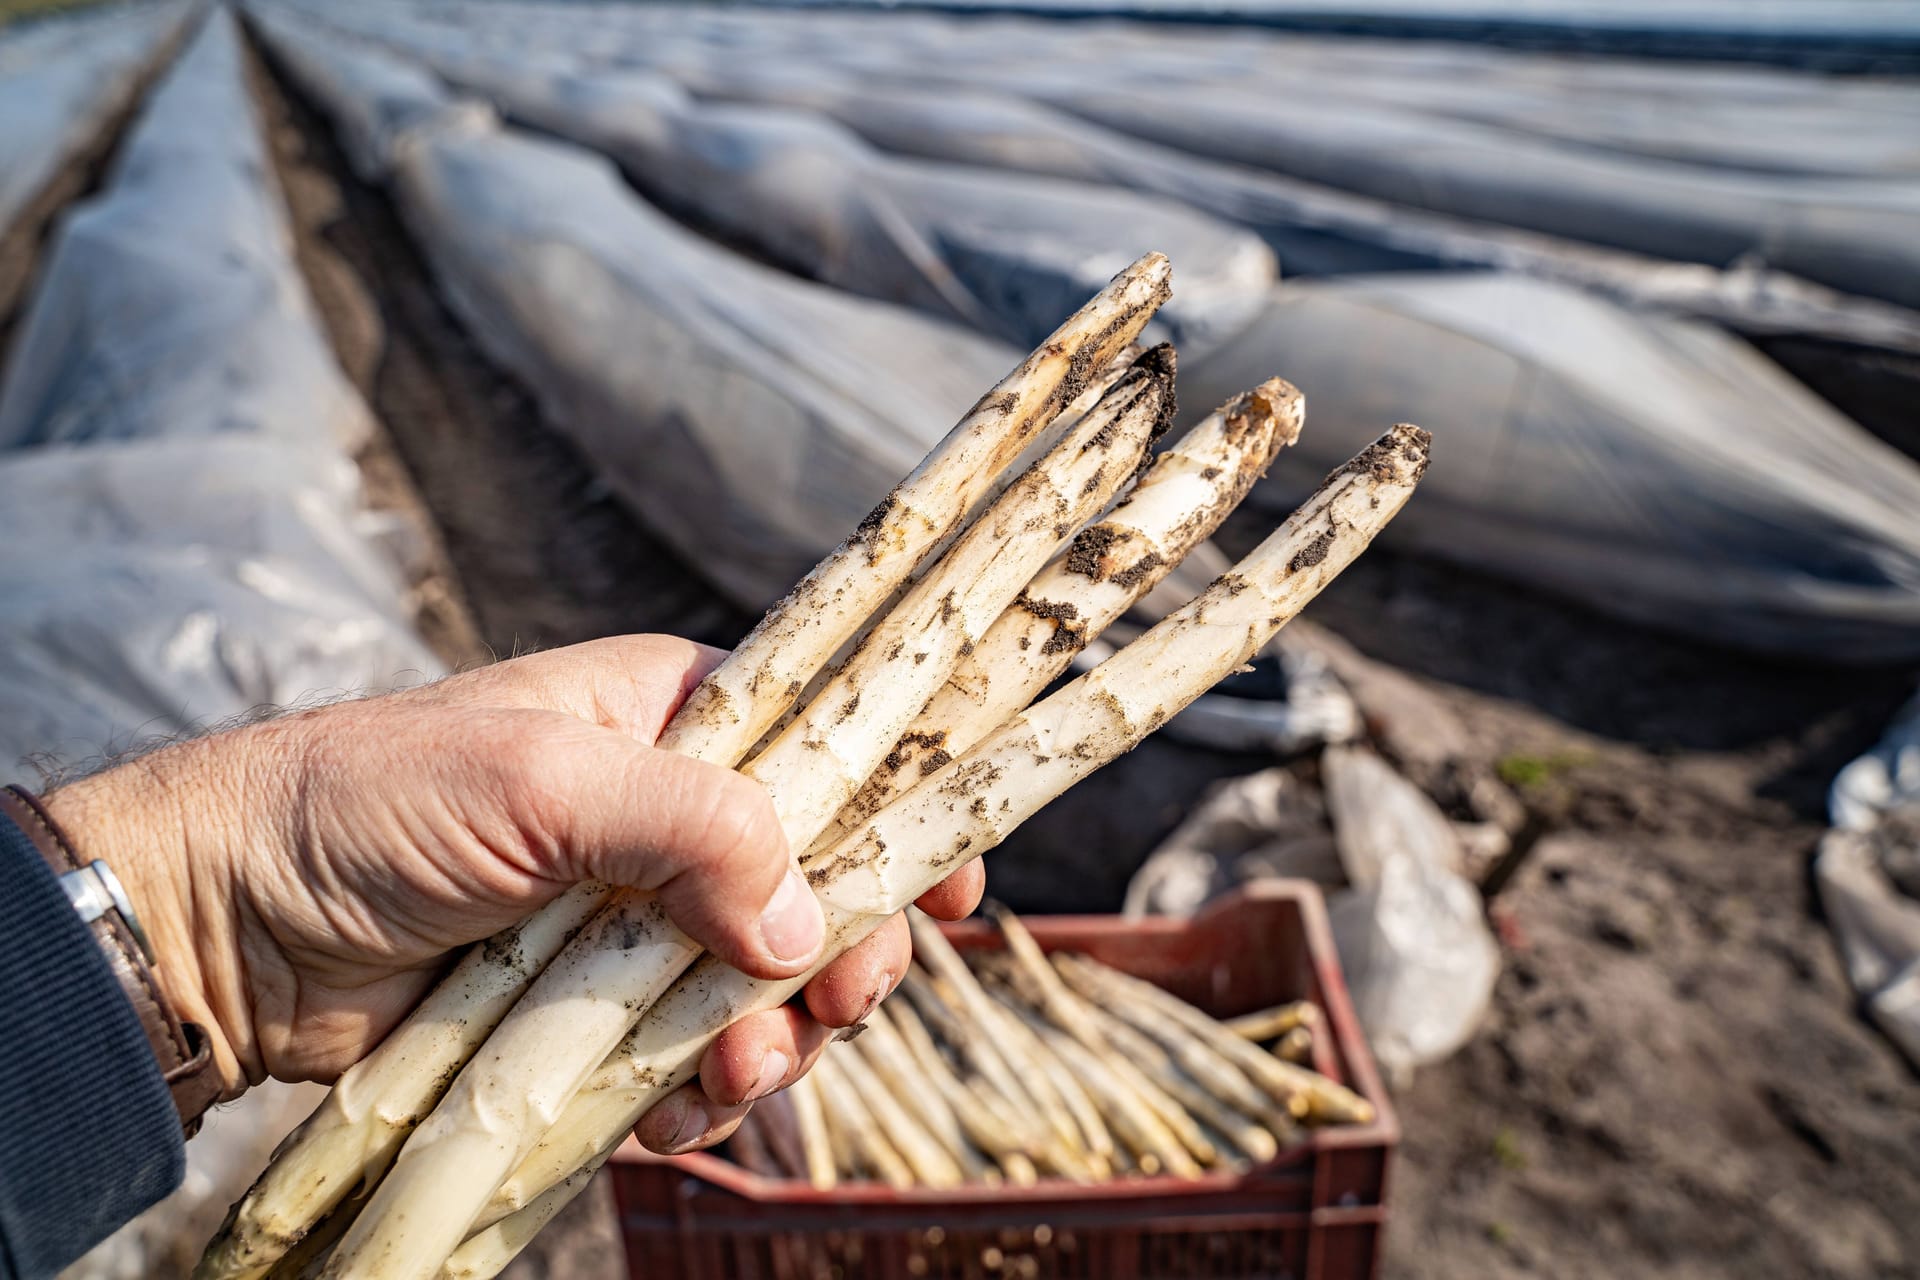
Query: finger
pixel 687 1120
pixel 705 838
pixel 847 990
pixel 955 897
pixel 762 1054
pixel 631 684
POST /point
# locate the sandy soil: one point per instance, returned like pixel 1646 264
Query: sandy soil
pixel 1672 1082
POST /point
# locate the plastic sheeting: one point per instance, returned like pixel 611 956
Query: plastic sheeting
pixel 1868 871
pixel 749 418
pixel 165 574
pixel 1317 230
pixel 1856 234
pixel 230 496
pixel 1882 781
pixel 170 305
pixel 1006 253
pixel 951 89
pixel 1653 469
pixel 1734 118
pixel 1716 116
pixel 1723 116
pixel 1648 467
pixel 109 640
pixel 1411 931
pixel 59 88
pixel 379 98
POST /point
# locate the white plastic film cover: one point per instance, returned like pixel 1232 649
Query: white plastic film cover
pixel 1007 253
pixel 748 417
pixel 1650 468
pixel 59 85
pixel 170 304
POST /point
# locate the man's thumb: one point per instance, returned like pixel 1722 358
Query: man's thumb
pixel 709 841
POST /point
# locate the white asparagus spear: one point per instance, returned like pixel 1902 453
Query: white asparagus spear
pixel 1312 1095
pixel 352 1137
pixel 1253 1139
pixel 1138 1124
pixel 780 1125
pixel 894 1063
pixel 486 1253
pixel 1171 1114
pixel 749 1148
pixel 975 801
pixel 929 1161
pixel 1094 1137
pixel 1036 1064
pixel 358 1127
pixel 1266 1024
pixel 985 1127
pixel 518 1082
pixel 1041 442
pixel 807 1110
pixel 838 597
pixel 1193 1056
pixel 1186 493
pixel 1058 1005
pixel 996 1055
pixel 847 1112
pixel 991 1079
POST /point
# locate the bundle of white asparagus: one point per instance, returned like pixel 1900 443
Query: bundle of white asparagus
pixel 884 706
pixel 1001 1067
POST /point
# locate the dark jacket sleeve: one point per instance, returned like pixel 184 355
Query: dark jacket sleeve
pixel 88 1133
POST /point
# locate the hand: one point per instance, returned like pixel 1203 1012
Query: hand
pixel 304 879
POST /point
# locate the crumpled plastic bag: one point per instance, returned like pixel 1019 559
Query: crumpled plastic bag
pixel 1883 779
pixel 1261 826
pixel 1868 873
pixel 1411 932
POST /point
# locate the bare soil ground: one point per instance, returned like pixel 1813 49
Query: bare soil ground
pixel 1672 1081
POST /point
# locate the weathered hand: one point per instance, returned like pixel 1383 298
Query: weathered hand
pixel 304 879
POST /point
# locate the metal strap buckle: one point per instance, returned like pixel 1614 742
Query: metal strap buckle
pixel 94 890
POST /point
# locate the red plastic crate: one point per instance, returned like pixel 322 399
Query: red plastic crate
pixel 1314 1213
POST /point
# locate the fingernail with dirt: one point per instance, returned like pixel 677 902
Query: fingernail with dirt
pixel 881 991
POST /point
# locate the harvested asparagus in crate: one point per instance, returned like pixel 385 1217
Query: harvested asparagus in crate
pixel 1160 1103
pixel 951 607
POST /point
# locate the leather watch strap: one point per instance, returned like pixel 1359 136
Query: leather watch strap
pixel 182 1050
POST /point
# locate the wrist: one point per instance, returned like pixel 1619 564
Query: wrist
pixel 158 822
